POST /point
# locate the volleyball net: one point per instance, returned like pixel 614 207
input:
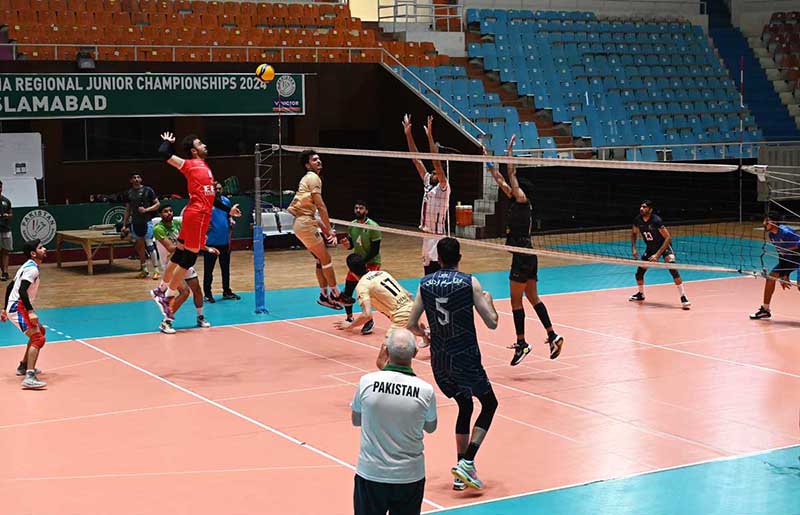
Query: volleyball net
pixel 583 211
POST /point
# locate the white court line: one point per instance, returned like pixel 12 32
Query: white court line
pixel 164 406
pixel 77 364
pixel 620 478
pixel 126 335
pixel 233 412
pixel 174 473
pixel 632 424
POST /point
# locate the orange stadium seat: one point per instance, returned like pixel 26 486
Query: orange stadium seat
pixel 76 5
pixel 116 54
pixel 10 17
pixel 85 18
pixel 121 18
pixel 280 10
pixel 214 8
pixel 366 56
pixel 110 6
pixel 295 10
pixel 199 7
pixel 20 5
pixel 265 55
pixel 37 53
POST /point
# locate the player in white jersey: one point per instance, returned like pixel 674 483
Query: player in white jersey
pixel 20 295
pixel 435 200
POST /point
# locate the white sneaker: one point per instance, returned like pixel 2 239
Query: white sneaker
pixel 465 471
pixel 31 382
pixel 166 327
pixel 202 322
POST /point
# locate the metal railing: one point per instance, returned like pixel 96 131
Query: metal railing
pixel 662 151
pixel 403 13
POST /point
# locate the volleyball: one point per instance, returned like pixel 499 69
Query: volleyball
pixel 265 72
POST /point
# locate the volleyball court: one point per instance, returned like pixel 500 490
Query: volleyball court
pixel 255 418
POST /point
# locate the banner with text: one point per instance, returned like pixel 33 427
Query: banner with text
pixel 110 95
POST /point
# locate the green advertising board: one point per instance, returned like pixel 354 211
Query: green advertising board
pixel 111 95
pixel 45 221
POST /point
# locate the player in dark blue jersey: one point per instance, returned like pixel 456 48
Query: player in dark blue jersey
pixel 523 277
pixel 447 297
pixel 787 244
pixel 657 239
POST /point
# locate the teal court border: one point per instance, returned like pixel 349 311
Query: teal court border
pixel 760 484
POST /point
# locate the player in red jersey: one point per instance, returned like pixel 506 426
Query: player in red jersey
pixel 196 215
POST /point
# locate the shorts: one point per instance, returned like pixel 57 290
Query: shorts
pixel 524 267
pixel 460 373
pixel 785 267
pixel 371 497
pixel 194 226
pixel 429 252
pixel 6 241
pixel 142 230
pixel 307 231
pixel 399 319
pixel 351 277
pixel 191 273
pixel 668 256
pixel 18 316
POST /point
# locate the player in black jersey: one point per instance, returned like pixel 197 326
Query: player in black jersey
pixel 524 267
pixel 657 239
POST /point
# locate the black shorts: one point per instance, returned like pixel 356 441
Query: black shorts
pixel 461 373
pixel 373 498
pixel 785 267
pixel 651 252
pixel 524 267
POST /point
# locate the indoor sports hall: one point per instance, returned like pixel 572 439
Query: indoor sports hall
pixel 677 388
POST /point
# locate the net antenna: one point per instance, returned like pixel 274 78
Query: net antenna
pixel 263 178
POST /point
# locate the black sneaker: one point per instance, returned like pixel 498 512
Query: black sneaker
pixel 521 349
pixel 685 304
pixel 4 277
pixel 368 327
pixel 209 299
pixel 636 297
pixel 344 300
pixel 761 314
pixel 328 303
pixel 229 295
pixel 556 342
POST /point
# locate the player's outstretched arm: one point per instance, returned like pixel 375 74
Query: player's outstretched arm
pixel 634 237
pixel 324 219
pixel 363 318
pixel 437 165
pixel 498 177
pixel 166 150
pixel 516 191
pixel 412 146
pixel 484 304
pixel 416 312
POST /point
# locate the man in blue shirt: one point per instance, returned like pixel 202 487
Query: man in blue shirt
pixel 218 237
pixel 786 243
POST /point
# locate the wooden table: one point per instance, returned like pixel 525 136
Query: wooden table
pixel 87 239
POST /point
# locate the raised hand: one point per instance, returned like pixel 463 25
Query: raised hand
pixel 429 126
pixel 235 211
pixel 407 124
pixel 168 136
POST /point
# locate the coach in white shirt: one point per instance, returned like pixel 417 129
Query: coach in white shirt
pixel 392 407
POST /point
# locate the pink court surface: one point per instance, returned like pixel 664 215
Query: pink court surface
pixel 255 419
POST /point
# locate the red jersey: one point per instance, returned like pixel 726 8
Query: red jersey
pixel 200 183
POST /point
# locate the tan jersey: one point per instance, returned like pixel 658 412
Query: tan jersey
pixel 385 295
pixel 303 201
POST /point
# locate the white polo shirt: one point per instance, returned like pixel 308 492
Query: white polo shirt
pixel 394 406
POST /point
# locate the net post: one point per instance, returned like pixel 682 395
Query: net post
pixel 258 240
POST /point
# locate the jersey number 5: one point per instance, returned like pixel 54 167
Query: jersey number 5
pixel 442 315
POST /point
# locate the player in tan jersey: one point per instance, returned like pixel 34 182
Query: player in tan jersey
pixel 305 204
pixel 380 290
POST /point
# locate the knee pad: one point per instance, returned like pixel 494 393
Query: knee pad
pixel 488 407
pixel 640 273
pixel 464 414
pixel 37 340
pixel 674 273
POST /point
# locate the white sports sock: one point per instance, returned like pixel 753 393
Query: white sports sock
pixel 171 292
pixel 199 311
pixel 680 289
